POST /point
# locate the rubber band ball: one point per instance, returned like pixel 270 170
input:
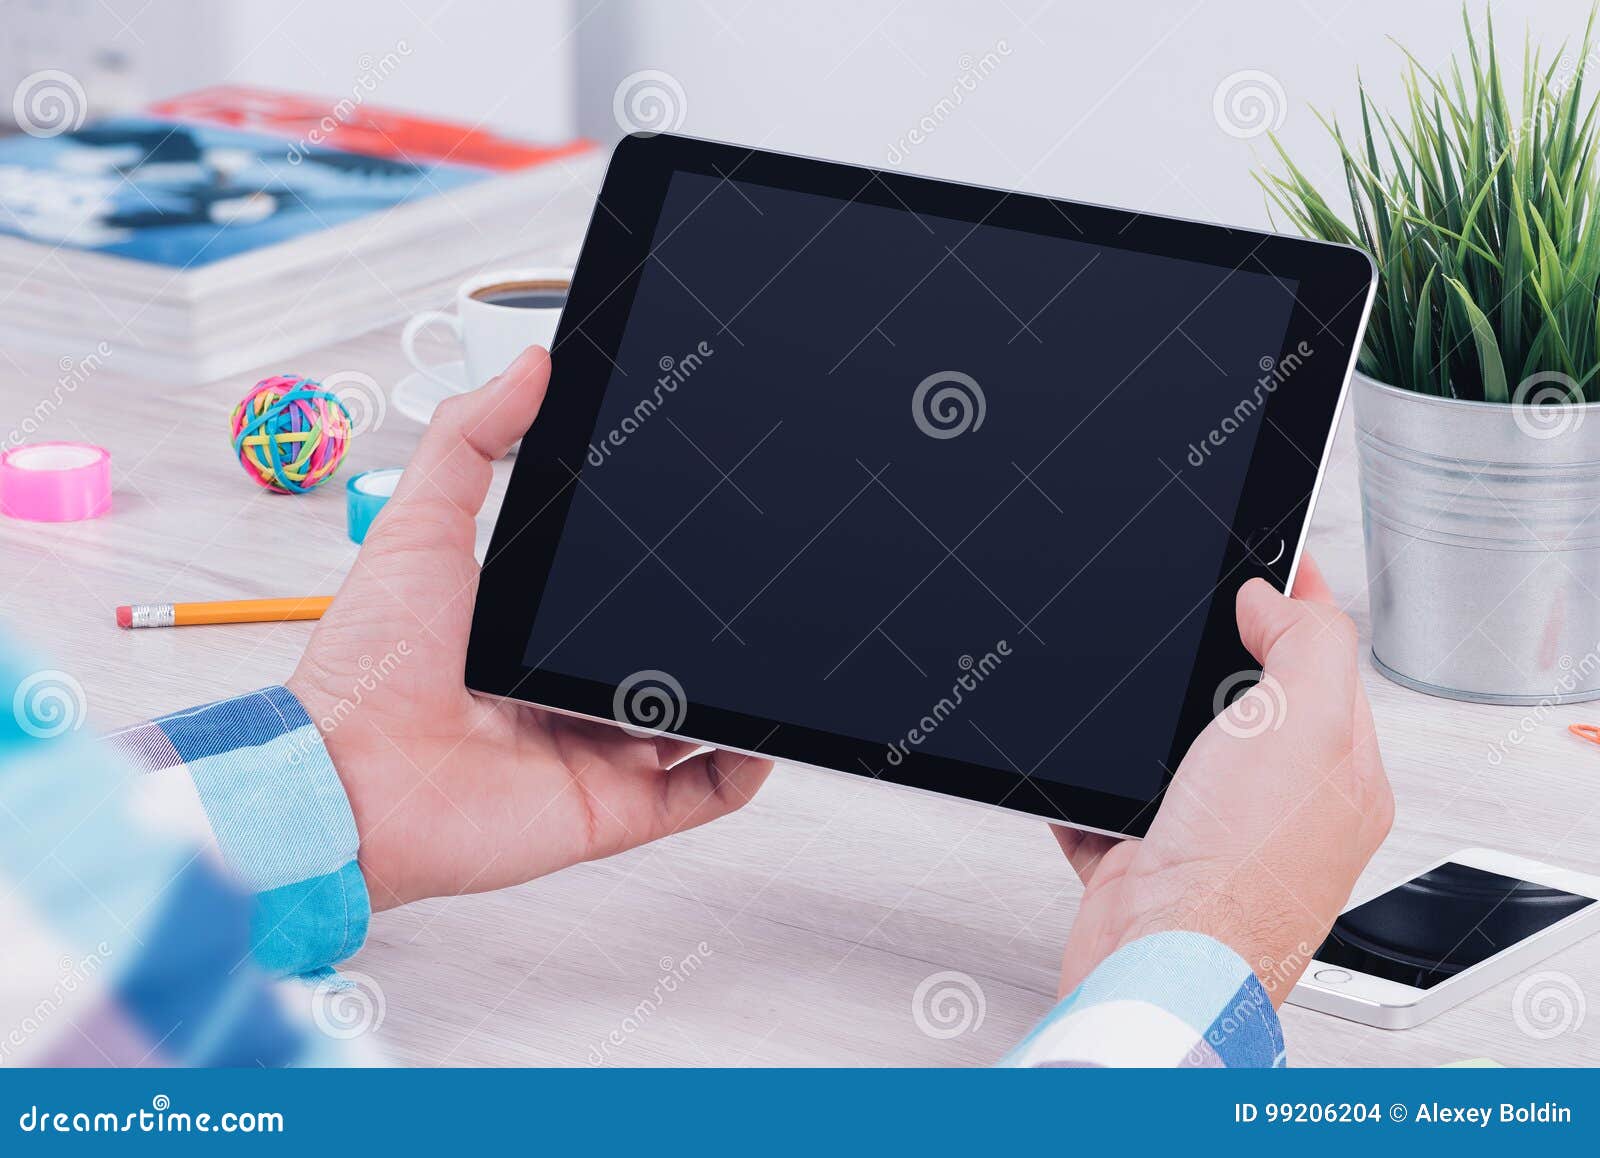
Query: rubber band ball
pixel 290 434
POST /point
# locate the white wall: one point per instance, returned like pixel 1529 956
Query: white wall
pixel 1109 102
pixel 505 64
pixel 1101 101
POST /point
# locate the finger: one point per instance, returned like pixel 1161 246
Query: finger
pixel 670 752
pixel 1309 583
pixel 1375 780
pixel 1279 630
pixel 709 785
pixel 452 463
pixel 1308 649
pixel 634 749
pixel 1085 850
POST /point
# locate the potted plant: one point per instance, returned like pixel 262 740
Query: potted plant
pixel 1477 397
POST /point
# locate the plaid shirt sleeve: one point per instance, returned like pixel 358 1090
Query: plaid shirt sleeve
pixel 126 939
pixel 250 779
pixel 1169 999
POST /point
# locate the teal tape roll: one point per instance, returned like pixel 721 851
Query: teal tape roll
pixel 364 496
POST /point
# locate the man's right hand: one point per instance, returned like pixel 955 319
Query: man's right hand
pixel 1271 817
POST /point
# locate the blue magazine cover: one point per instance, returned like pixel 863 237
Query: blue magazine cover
pixel 185 195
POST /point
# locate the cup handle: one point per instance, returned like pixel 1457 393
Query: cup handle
pixel 408 344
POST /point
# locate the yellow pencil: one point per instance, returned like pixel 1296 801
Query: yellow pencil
pixel 225 611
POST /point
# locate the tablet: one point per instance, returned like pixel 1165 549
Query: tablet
pixel 944 485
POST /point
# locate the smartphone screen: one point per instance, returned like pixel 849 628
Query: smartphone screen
pixel 1446 920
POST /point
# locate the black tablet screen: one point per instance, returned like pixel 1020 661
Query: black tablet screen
pixel 915 481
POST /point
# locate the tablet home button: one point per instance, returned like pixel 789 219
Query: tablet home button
pixel 1331 976
pixel 1265 547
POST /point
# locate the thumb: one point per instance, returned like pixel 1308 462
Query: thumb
pixel 1309 583
pixel 1291 637
pixel 453 463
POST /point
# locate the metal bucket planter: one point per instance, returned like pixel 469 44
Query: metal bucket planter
pixel 1482 528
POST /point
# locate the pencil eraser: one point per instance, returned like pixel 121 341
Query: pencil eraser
pixel 124 616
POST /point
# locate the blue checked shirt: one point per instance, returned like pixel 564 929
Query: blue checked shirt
pixel 177 894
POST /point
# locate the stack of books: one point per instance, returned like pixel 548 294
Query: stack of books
pixel 236 226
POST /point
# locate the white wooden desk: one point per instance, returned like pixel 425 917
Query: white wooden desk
pixel 822 906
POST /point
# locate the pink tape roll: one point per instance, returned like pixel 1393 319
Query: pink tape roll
pixel 55 482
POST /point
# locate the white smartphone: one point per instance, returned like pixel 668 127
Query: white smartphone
pixel 1470 921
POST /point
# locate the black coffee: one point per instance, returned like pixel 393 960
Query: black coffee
pixel 524 296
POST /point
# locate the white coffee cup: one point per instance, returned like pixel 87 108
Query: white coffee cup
pixel 491 331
